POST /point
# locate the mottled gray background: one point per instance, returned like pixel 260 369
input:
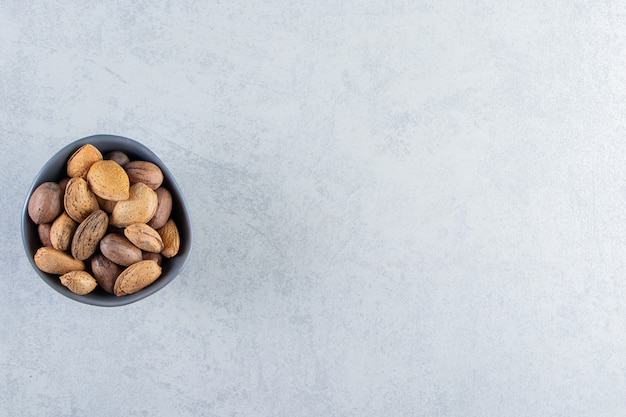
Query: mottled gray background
pixel 401 208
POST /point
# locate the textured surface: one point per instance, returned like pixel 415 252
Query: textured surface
pixel 403 208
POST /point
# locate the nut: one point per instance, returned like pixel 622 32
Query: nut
pixel 108 180
pixel 136 277
pixel 139 208
pixel 79 282
pixel 79 200
pixel 110 203
pixel 120 250
pixel 164 208
pixel 79 163
pixel 144 237
pixel 89 234
pixel 43 230
pixel 118 156
pixel 157 257
pixel 62 232
pixel 63 183
pixel 106 205
pixel 54 261
pixel 45 203
pixel 105 271
pixel 146 172
pixel 171 239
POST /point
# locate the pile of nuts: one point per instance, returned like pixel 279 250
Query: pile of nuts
pixel 111 217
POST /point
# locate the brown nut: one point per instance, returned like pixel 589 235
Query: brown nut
pixel 62 232
pixel 144 237
pixel 79 163
pixel 54 261
pixel 164 208
pixel 79 200
pixel 157 257
pixel 108 180
pixel 139 208
pixel 146 172
pixel 106 205
pixel 105 271
pixel 43 230
pixel 88 235
pixel 79 282
pixel 118 156
pixel 45 203
pixel 120 250
pixel 171 239
pixel 136 277
pixel 63 183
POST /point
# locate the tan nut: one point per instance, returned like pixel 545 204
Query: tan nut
pixel 54 261
pixel 79 163
pixel 79 200
pixel 139 208
pixel 108 180
pixel 136 277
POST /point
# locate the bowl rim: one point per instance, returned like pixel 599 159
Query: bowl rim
pixel 113 301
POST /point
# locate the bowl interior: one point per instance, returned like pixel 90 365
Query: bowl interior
pixel 54 170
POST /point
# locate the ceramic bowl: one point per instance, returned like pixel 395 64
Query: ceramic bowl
pixel 54 170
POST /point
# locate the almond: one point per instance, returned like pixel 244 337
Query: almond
pixel 79 163
pixel 120 250
pixel 79 200
pixel 54 261
pixel 62 232
pixel 171 239
pixel 45 203
pixel 136 277
pixel 139 208
pixel 144 237
pixel 108 180
pixel 88 235
pixel 146 172
pixel 79 282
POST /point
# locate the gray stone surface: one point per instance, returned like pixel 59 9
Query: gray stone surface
pixel 401 208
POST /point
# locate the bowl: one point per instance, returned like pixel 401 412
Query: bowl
pixel 55 170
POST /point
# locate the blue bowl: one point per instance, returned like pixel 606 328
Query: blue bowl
pixel 55 170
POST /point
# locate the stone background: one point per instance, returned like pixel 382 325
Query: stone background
pixel 400 208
